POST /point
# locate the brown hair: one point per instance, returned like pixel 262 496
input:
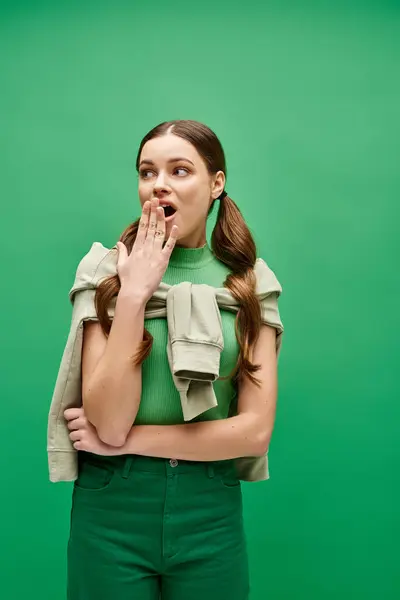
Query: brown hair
pixel 231 242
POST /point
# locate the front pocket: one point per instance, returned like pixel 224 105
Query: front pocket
pixel 94 477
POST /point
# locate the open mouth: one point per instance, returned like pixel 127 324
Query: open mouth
pixel 169 211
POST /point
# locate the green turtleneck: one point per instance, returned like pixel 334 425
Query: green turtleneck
pixel 160 402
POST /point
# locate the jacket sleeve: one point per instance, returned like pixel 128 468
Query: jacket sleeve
pixel 67 390
pixel 269 290
pixel 195 342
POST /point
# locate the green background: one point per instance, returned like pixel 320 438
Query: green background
pixel 305 98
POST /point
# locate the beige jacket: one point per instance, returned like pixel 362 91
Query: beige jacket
pixel 195 342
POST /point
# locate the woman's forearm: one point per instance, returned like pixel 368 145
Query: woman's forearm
pixel 224 439
pixel 112 395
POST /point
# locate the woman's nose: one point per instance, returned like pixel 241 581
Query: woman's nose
pixel 161 182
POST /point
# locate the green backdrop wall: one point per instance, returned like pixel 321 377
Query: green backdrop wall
pixel 305 98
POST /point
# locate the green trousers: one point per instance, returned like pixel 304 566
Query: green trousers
pixel 149 529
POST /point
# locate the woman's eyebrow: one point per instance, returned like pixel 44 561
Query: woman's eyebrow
pixel 171 160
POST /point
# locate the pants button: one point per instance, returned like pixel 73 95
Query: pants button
pixel 173 462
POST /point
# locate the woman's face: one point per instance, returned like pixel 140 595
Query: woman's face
pixel 172 170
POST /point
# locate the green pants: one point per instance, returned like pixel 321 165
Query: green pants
pixel 149 529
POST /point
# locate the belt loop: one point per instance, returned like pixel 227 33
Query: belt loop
pixel 210 470
pixel 127 467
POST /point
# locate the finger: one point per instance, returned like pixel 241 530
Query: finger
pixel 160 230
pixel 73 413
pixel 152 224
pixel 122 252
pixel 79 423
pixel 170 245
pixel 75 436
pixel 143 224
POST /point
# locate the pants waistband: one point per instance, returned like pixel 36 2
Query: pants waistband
pixel 163 466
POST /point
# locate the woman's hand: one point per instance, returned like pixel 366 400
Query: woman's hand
pixel 142 270
pixel 84 435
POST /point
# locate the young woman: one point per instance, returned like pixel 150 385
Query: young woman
pixel 157 506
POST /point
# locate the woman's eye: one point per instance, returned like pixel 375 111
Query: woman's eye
pixel 144 173
pixel 185 171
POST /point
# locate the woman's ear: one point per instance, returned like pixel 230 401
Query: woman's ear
pixel 218 185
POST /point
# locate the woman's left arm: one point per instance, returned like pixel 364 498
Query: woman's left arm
pixel 247 434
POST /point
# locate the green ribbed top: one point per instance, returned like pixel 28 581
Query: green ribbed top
pixel 160 402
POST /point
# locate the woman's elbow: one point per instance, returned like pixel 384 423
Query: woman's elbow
pixel 110 435
pixel 261 443
pixel 114 438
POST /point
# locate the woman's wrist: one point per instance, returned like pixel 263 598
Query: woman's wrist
pixel 131 296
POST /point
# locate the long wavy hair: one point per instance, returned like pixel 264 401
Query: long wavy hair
pixel 231 243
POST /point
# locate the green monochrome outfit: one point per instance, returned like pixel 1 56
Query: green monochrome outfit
pixel 150 528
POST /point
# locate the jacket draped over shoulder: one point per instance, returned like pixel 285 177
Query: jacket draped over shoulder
pixel 195 342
